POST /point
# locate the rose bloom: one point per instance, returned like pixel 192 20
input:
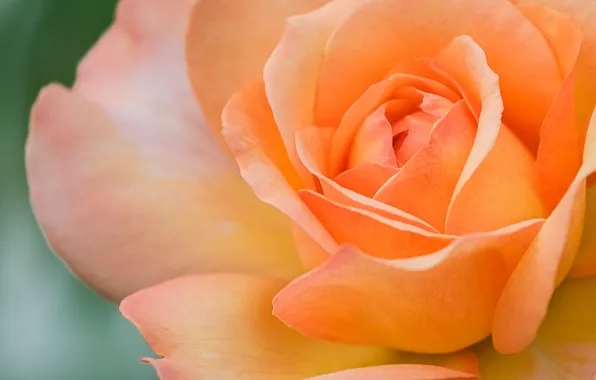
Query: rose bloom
pixel 339 190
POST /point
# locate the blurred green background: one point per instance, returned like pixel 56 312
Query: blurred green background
pixel 51 326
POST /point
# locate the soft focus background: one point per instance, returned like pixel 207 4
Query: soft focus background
pixel 51 326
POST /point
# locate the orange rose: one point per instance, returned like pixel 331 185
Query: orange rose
pixel 430 162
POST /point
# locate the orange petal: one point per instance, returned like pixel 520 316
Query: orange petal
pixel 373 234
pixel 504 190
pixel 366 179
pixel 127 180
pixel 545 264
pixel 583 14
pixel 498 184
pixel 401 372
pixel 310 144
pixel 220 326
pixel 560 32
pixel 436 303
pixel 561 135
pixel 375 96
pixel 565 347
pixel 291 73
pixel 418 126
pixel 353 52
pixel 253 137
pixel 424 186
pixel 228 45
pixel 585 261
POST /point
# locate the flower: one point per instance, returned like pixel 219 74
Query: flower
pixel 412 195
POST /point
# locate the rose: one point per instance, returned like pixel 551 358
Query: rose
pixel 427 242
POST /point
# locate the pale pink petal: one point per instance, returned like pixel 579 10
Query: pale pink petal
pixel 127 180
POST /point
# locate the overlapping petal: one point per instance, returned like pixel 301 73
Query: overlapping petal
pixel 127 180
pixel 498 27
pixel 565 346
pixel 436 303
pixel 228 44
pixel 546 263
pixel 219 326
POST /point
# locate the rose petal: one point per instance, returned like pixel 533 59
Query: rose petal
pixel 292 71
pixel 424 186
pixel 498 26
pixel 373 234
pixel 498 184
pixel 583 14
pixel 565 347
pixel 376 95
pixel 546 263
pixel 228 44
pixel 221 327
pixel 436 303
pixel 401 372
pixel 504 190
pixel 253 137
pixel 126 179
pixel 559 154
pixel 373 143
pixel 585 261
pixel 366 179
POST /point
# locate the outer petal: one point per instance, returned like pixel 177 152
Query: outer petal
pixel 221 327
pixel 436 303
pixel 401 372
pixel 585 261
pixel 292 70
pixel 546 263
pixel 126 179
pixel 251 132
pixel 559 155
pixel 498 26
pixel 228 43
pixel 565 347
pixel 583 13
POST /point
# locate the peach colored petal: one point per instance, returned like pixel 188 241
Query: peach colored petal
pixel 545 264
pixel 498 26
pixel 585 261
pixel 465 62
pixel 436 303
pixel 249 129
pixel 504 190
pixel 561 136
pixel 376 95
pixel 102 200
pixel 373 234
pixel 424 186
pixel 401 372
pixel 220 326
pixel 418 126
pixel 292 71
pixel 373 143
pixel 227 45
pixel 561 145
pixel 310 147
pixel 583 13
pixel 499 176
pixel 560 32
pixel 366 179
pixel 565 347
pixel 127 181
